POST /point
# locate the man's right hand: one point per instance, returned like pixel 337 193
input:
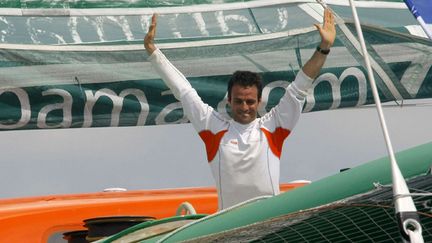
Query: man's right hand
pixel 149 38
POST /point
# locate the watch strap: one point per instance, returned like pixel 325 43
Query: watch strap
pixel 323 51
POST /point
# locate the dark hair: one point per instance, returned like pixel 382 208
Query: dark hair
pixel 245 79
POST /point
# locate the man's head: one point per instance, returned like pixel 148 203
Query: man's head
pixel 244 96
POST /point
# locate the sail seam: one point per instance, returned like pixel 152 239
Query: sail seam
pixel 183 9
pixel 173 45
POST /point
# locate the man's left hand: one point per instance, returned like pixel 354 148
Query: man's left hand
pixel 327 31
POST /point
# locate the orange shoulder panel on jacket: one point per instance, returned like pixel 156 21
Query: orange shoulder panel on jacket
pixel 275 139
pixel 211 141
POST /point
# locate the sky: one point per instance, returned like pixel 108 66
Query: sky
pixel 62 161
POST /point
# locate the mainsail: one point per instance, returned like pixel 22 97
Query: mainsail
pixel 73 64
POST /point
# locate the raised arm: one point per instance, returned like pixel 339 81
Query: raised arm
pixel 172 77
pixel 149 38
pixel 287 112
pixel 328 35
pixel 195 109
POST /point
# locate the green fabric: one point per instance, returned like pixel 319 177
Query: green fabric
pixel 412 162
pixel 92 71
pixel 72 89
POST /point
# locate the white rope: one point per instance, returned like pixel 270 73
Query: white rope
pixel 413 194
pixel 221 212
pixel 185 207
pixel 402 204
pixel 397 175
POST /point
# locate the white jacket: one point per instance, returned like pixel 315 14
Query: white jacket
pixel 244 159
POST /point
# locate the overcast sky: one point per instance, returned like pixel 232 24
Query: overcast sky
pixel 41 162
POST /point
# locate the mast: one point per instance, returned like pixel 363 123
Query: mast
pixel 406 212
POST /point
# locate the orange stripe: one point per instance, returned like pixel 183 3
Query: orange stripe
pixel 211 141
pixel 276 139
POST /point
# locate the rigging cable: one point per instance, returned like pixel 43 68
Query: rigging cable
pixel 406 211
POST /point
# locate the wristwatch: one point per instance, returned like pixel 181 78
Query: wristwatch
pixel 323 51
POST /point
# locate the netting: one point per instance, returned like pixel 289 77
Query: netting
pixel 365 218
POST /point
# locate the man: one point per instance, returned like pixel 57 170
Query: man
pixel 244 153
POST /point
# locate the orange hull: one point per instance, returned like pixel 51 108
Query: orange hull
pixel 35 219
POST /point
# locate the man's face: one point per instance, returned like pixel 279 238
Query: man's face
pixel 244 103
